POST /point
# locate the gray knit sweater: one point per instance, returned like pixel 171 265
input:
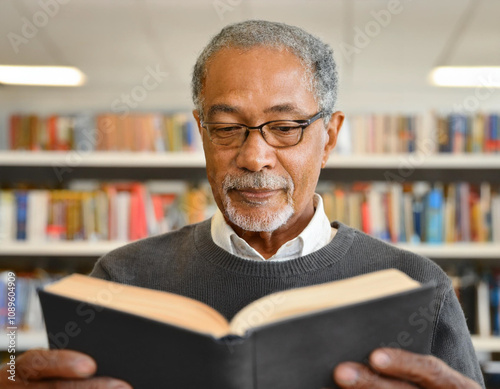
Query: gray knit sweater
pixel 189 263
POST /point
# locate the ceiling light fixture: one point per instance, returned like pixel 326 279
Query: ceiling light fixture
pixel 466 76
pixel 41 75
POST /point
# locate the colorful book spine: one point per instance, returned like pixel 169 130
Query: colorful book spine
pixel 418 212
pixel 28 311
pixel 124 211
pixel 425 133
pixel 409 213
pixel 21 204
pixel 434 216
pixel 141 132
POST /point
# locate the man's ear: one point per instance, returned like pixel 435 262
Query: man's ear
pixel 196 115
pixel 332 132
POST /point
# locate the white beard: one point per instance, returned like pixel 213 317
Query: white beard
pixel 265 220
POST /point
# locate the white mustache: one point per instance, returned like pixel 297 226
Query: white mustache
pixel 257 180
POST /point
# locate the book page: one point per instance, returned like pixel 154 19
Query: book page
pixel 300 301
pixel 153 304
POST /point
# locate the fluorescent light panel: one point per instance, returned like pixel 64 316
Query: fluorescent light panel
pixel 466 76
pixel 41 75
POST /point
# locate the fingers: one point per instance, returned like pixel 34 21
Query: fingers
pixel 61 369
pixel 358 376
pixel 394 368
pixel 92 383
pixel 38 364
pixel 424 370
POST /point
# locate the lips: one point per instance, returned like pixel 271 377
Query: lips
pixel 252 194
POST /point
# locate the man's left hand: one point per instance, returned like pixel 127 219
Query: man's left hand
pixel 392 368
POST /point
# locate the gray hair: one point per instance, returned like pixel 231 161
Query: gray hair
pixel 315 55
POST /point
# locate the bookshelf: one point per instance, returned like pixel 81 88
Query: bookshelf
pixel 122 159
pixel 191 166
pixel 40 166
pixel 125 159
pixel 59 249
pixel 486 343
pixel 474 251
pixel 56 167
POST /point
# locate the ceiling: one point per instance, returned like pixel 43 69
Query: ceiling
pixel 115 42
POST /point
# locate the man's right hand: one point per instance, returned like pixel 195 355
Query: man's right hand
pixel 62 369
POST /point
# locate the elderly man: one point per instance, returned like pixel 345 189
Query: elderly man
pixel 264 97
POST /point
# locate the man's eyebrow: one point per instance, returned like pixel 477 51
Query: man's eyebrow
pixel 285 108
pixel 279 108
pixel 221 108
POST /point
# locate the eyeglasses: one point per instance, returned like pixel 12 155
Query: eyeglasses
pixel 277 133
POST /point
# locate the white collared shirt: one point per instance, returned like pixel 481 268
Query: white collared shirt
pixel 317 234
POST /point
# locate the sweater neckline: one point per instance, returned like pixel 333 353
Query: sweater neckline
pixel 324 257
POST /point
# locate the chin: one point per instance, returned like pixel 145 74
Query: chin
pixel 259 221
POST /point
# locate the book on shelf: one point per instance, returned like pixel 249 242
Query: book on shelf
pixel 292 338
pixel 417 212
pixel 478 291
pixel 28 314
pixel 465 283
pixel 408 213
pixel 374 133
pixel 429 133
pixel 121 211
pixel 153 132
pixel 491 373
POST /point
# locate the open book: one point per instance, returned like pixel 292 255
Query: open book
pixel 182 342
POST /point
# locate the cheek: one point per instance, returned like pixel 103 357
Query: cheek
pixel 211 167
pixel 213 175
pixel 304 167
pixel 217 165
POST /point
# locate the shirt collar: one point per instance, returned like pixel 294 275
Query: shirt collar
pixel 317 234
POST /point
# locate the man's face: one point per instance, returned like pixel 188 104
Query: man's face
pixel 256 186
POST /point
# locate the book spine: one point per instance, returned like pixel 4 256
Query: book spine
pixel 14 130
pixel 28 311
pixel 483 308
pixel 455 133
pixel 434 216
pixel 412 212
pixel 495 302
pixel 417 212
pixel 21 200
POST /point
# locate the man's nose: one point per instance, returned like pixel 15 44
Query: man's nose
pixel 255 154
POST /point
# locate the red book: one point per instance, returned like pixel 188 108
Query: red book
pixel 365 216
pixel 52 133
pixel 138 223
pixel 158 207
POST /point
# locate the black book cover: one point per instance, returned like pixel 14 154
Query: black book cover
pixel 297 353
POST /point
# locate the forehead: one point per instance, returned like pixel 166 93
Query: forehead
pixel 258 76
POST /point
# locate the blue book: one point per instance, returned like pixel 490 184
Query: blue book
pixel 418 213
pixel 189 130
pixel 434 216
pixel 84 133
pixel 22 205
pixel 494 133
pixel 3 299
pixel 495 302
